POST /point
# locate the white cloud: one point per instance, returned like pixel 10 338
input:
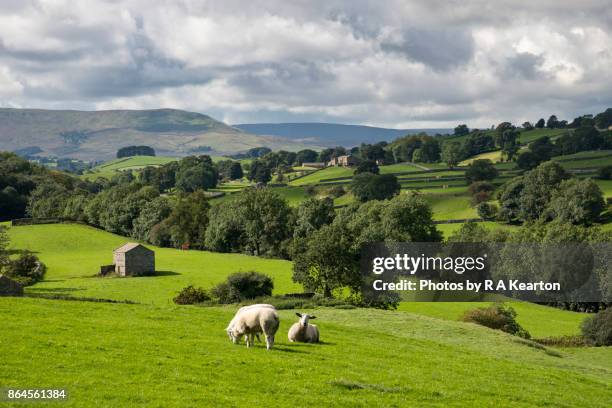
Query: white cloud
pixel 407 64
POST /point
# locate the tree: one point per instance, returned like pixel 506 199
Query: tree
pixel 47 200
pixel 540 123
pixel 552 122
pixel 135 151
pixel 312 214
pixel 372 152
pixel 189 219
pixel 230 169
pixel 451 153
pixel 4 241
pixel 603 120
pixel 153 212
pixel 481 170
pixel 367 166
pixel 256 220
pixel 26 269
pixel 430 150
pixel 368 186
pixel 542 148
pixel 461 130
pixel 306 156
pixel 196 173
pixel 326 261
pixel 605 173
pixel 527 161
pixel 527 126
pixel 539 185
pixel 577 201
pixel 487 211
pixel 259 172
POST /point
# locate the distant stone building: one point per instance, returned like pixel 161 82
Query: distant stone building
pixel 344 161
pixel 134 259
pixel 9 287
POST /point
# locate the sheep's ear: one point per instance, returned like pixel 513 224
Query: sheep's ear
pixel 298 314
pixel 313 317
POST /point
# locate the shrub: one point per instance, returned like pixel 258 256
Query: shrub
pixel 498 317
pixel 311 190
pixel 27 269
pixel 243 285
pixel 480 197
pixel 336 191
pixel 605 173
pixel 191 295
pixel 479 186
pixel 487 211
pixel 598 329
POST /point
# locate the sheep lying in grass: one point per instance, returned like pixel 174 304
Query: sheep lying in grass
pixel 303 331
pixel 252 320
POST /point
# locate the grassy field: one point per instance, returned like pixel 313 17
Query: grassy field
pixel 448 206
pixel 110 168
pixel 168 355
pixel 111 355
pixel 316 176
pixel 74 253
pixel 495 157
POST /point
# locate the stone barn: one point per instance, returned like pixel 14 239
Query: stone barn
pixel 134 259
pixel 9 287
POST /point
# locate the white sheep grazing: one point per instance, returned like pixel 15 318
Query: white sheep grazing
pixel 304 332
pixel 229 327
pixel 254 320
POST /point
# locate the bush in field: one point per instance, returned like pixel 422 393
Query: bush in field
pixel 598 329
pixel 480 197
pixel 481 170
pixel 487 211
pixel 480 186
pixel 498 317
pixel 27 269
pixel 605 173
pixel 191 296
pixel 243 285
pixel 336 191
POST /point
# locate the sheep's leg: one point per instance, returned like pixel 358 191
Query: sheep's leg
pixel 249 340
pixel 269 342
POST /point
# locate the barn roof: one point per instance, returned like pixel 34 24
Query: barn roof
pixel 129 246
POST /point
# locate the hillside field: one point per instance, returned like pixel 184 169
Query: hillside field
pixel 168 355
pixel 180 356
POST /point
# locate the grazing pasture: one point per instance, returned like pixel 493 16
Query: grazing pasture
pixel 73 254
pixel 181 356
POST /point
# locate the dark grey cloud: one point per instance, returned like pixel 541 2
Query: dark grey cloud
pixel 438 48
pixel 524 65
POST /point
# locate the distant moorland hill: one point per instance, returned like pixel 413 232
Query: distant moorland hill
pixel 332 134
pixel 97 135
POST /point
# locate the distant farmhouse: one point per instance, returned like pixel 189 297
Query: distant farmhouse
pixel 344 161
pixel 9 287
pixel 131 259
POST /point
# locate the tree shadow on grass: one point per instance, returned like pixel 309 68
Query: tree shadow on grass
pixel 53 290
pixel 20 251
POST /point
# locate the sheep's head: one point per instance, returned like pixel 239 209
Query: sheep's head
pixel 304 318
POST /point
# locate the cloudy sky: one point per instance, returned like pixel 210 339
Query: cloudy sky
pixel 401 64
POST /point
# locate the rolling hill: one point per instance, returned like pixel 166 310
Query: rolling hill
pixel 97 135
pixel 332 134
pixel 169 355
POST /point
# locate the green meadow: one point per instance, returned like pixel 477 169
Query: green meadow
pixel 111 355
pixel 169 355
pixel 73 254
